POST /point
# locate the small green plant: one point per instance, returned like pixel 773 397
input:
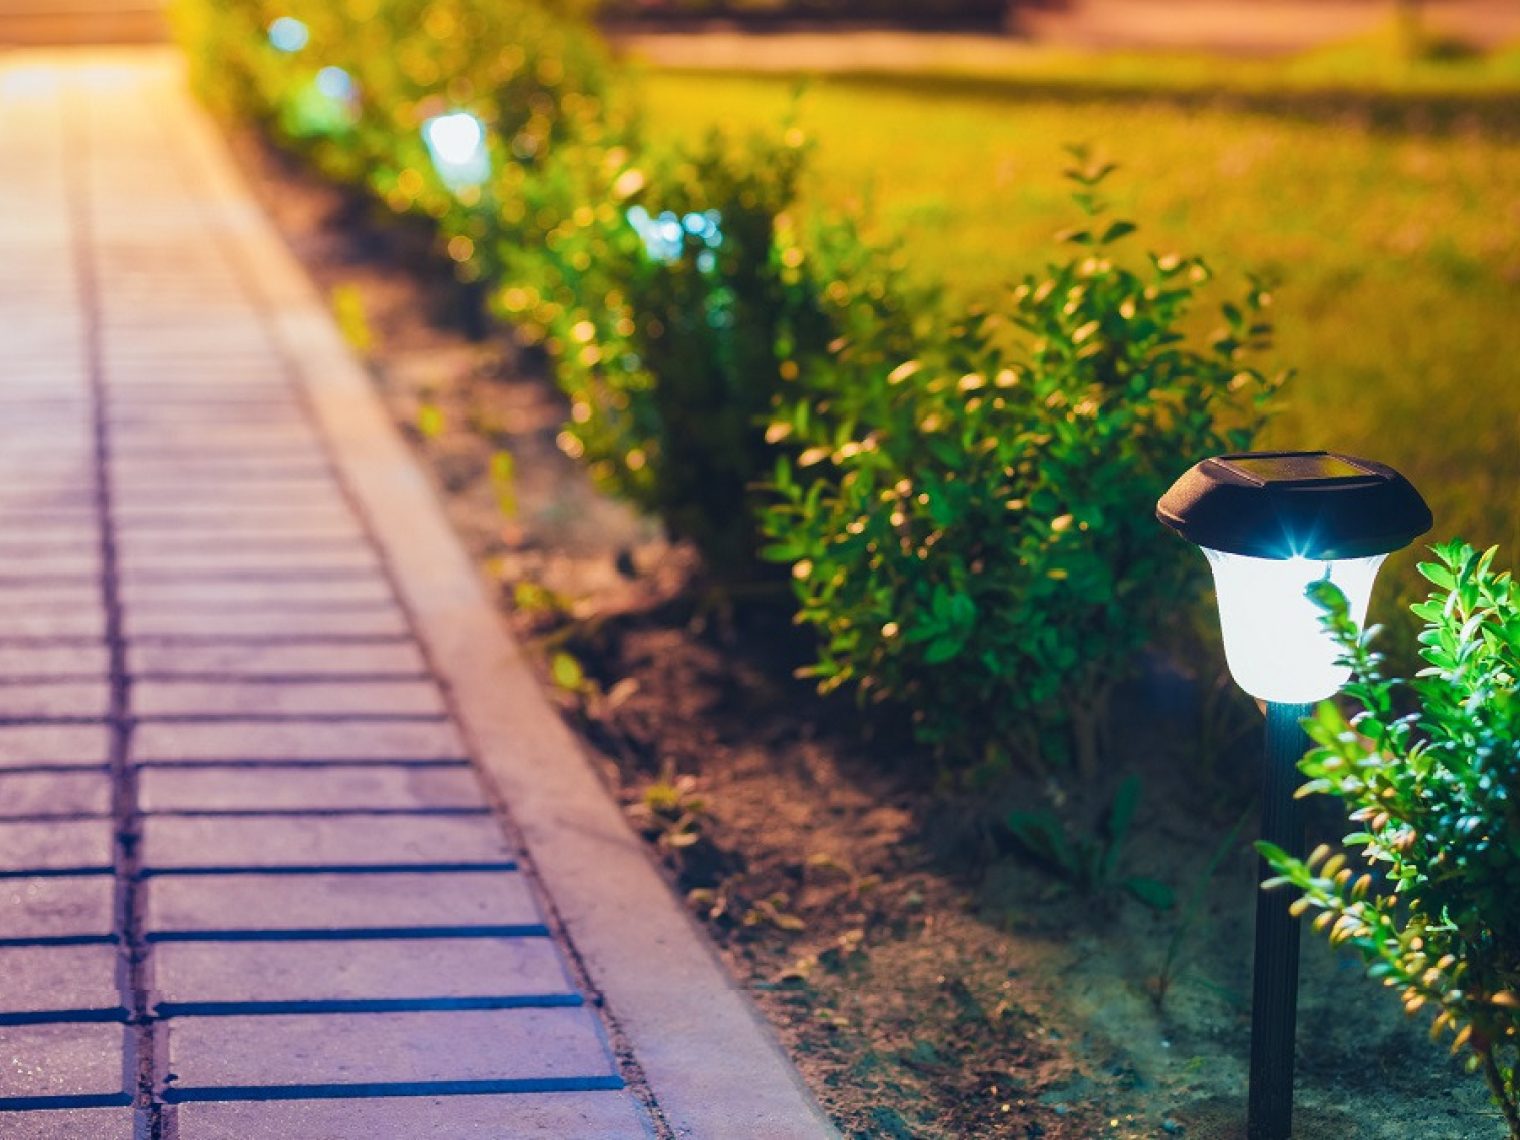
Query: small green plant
pixel 431 421
pixel 1171 961
pixel 730 902
pixel 1428 768
pixel 568 675
pixel 352 318
pixel 670 812
pixel 1090 864
pixel 503 472
pixel 971 530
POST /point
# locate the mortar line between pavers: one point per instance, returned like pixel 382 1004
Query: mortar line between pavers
pixel 618 1043
pixel 133 964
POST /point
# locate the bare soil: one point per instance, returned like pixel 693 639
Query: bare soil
pixel 929 979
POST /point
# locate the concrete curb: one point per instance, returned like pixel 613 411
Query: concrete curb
pixel 714 1067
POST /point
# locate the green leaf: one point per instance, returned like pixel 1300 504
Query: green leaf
pixel 1437 574
pixel 567 673
pixel 1117 230
pixel 1273 854
pixel 1122 812
pixel 1152 892
pixel 943 649
pixel 781 552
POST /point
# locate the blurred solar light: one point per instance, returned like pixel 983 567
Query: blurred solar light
pixel 329 104
pixel 337 84
pixel 663 236
pixel 288 34
pixel 456 143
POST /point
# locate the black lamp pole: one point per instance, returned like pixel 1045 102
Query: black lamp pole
pixel 1274 989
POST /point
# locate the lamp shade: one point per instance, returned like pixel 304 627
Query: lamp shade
pixel 1271 523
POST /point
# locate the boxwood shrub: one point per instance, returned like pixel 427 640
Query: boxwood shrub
pixel 971 532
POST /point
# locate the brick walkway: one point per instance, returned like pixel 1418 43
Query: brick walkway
pixel 252 885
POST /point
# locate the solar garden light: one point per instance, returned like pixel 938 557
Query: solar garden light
pixel 1272 523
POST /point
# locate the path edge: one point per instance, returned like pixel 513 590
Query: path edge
pixel 713 1064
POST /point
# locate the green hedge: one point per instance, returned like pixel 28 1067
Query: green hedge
pixel 975 547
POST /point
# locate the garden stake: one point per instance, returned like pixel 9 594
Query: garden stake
pixel 1274 989
pixel 1274 524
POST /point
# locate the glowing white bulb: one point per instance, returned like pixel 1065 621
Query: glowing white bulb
pixel 1273 637
pixel 457 143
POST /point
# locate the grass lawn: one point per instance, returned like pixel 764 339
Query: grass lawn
pixel 1389 210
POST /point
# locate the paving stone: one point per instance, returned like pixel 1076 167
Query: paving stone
pixel 32 660
pixel 57 469
pixel 71 497
pixel 56 844
pixel 157 561
pixel 608 1115
pixel 68 1059
pixel 44 445
pixel 270 624
pixel 133 387
pixel 70 1124
pixel 186 341
pixel 341 901
pixel 24 794
pixel 240 519
pixel 67 490
pixel 209 841
pixel 46 526
pixel 44 562
pixel 244 536
pixel 82 745
pixel 168 463
pixel 279 591
pixel 80 621
pixel 289 660
pixel 55 699
pixel 73 557
pixel 162 436
pixel 80 591
pixel 194 407
pixel 30 423
pixel 264 698
pixel 306 789
pixel 58 979
pixel 296 741
pixel 457 1045
pixel 224 495
pixel 57 906
pixel 206 477
pixel 244 511
pixel 380 969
